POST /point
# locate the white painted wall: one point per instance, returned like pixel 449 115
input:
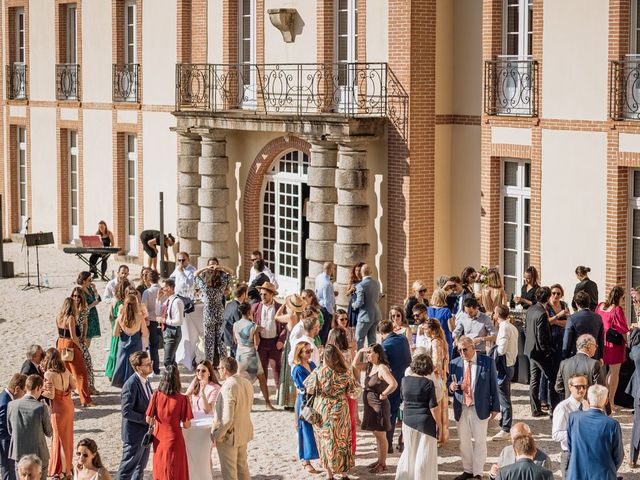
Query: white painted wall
pixel 574 206
pixel 304 48
pixel 214 31
pixel 575 50
pixel 97 61
pixel 159 52
pixel 377 31
pixel 160 170
pixel 42 136
pixel 42 55
pixel 512 136
pixel 97 152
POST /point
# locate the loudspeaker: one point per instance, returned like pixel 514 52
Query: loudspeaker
pixel 6 270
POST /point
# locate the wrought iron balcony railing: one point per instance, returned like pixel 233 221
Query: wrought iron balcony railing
pixel 510 87
pixel 349 89
pixel 17 81
pixel 624 89
pixel 67 81
pixel 125 82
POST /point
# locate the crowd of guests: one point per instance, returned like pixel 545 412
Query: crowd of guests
pixel 460 345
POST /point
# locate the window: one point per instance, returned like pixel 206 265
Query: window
pixel 247 52
pixel 130 31
pixel 634 41
pixel 131 169
pixel 634 222
pixel 518 28
pixel 72 29
pixel 516 222
pixel 74 196
pixel 22 176
pixel 346 38
pixel 20 39
pixel 283 224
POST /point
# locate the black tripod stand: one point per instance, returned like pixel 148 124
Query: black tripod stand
pixel 36 240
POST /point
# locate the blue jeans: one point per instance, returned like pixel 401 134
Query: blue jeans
pixel 366 330
pixel 172 337
pixel 154 342
pixel 504 395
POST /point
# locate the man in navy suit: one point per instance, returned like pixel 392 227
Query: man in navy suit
pixel 14 391
pixel 398 353
pixel 136 394
pixel 366 302
pixel 581 322
pixel 472 378
pixel 594 440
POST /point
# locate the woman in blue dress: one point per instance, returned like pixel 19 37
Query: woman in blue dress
pixel 302 368
pixel 133 333
pixel 441 312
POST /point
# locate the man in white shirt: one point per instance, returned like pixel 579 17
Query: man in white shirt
pixel 110 290
pixel 273 334
pixel 326 297
pixel 184 275
pixel 305 331
pixel 507 346
pixel 578 385
pixel 253 273
pixel 171 320
pixel 150 300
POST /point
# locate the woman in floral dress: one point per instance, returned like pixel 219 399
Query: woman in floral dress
pixel 212 281
pixel 331 383
pixel 83 324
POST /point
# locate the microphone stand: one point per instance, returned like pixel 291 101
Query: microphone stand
pixel 24 243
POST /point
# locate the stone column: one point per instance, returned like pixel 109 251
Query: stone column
pixel 188 183
pixel 213 199
pixel 320 208
pixel 351 213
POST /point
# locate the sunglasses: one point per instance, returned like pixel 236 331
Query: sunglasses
pixel 556 293
pixel 201 370
pixel 579 387
pixel 253 259
pixel 423 290
pixel 182 259
pixel 463 349
pixel 75 296
pixel 396 315
pixel 82 455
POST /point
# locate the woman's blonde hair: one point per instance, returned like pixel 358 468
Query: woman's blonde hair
pixel 494 280
pixel 298 351
pixel 439 298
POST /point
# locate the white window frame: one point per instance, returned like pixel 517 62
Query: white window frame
pixel 131 155
pixel 633 204
pixel 74 186
pixel 346 80
pixel 130 40
pixel 22 177
pixel 21 45
pixel 524 46
pixel 634 29
pixel 522 193
pixel 72 33
pixel 247 86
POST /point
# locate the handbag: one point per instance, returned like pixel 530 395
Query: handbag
pixel 67 354
pixel 148 437
pixel 307 412
pixel 614 336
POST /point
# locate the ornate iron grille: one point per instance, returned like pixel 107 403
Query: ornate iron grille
pixel 125 82
pixel 510 87
pixel 624 89
pixel 17 81
pixel 67 79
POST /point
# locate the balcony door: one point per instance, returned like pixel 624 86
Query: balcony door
pixel 247 75
pixel 631 67
pixel 74 189
pixel 19 70
pixel 346 52
pixel 72 37
pixel 21 155
pixel 131 182
pixel 129 86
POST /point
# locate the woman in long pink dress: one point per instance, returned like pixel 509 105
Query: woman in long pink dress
pixel 167 409
pixel 614 354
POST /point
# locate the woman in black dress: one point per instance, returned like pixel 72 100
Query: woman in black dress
pixel 529 288
pixel 378 385
pixel 107 240
pixel 585 284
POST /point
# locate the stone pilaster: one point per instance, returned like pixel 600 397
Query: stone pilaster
pixel 321 206
pixel 188 183
pixel 351 213
pixel 213 199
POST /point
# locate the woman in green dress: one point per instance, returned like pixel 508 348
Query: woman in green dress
pixel 92 298
pixel 120 294
pixel 288 313
pixel 332 383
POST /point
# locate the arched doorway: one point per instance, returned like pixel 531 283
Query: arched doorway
pixel 284 227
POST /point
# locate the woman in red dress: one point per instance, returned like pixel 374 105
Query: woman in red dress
pixel 167 409
pixel 614 354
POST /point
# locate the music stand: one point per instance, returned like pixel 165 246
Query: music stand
pixel 36 240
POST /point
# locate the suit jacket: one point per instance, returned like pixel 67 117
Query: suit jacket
pixel 537 343
pixel 485 393
pixel 232 417
pixel 633 388
pixel 524 469
pixel 398 353
pixel 591 288
pixel 28 422
pixel 5 398
pixel 230 316
pixel 281 328
pixel 134 406
pixel 595 446
pixel 28 368
pixel 367 295
pixel 581 322
pixel 579 363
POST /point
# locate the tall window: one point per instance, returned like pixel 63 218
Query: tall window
pixel 130 31
pixel 21 156
pixel 516 221
pixel 346 38
pixel 247 51
pixel 518 28
pixel 72 30
pixel 634 230
pixel 20 38
pixel 131 170
pixel 634 41
pixel 74 196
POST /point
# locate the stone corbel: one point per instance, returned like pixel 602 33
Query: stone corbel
pixel 284 19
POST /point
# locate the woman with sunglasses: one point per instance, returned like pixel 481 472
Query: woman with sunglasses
pixel 88 463
pixel 558 311
pixel 400 325
pixel 341 320
pixel 419 296
pixel 83 323
pixel 302 368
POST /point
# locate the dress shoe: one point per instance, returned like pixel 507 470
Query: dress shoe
pixel 464 476
pixel 539 413
pixel 501 435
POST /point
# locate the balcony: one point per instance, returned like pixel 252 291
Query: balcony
pixel 510 87
pixel 17 81
pixel 67 80
pixel 125 82
pixel 348 90
pixel 624 89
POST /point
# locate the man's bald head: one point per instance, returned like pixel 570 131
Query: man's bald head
pixel 518 429
pixel 365 270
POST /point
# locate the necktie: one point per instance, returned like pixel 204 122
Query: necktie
pixel 165 310
pixel 147 386
pixel 466 385
pixel 580 407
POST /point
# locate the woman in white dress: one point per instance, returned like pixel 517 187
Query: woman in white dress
pixel 89 465
pixel 202 393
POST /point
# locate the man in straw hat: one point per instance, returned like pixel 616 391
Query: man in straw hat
pixel 273 334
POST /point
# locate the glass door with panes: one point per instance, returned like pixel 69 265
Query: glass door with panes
pixel 131 171
pixel 131 48
pixel 74 195
pixel 247 74
pixel 21 147
pixel 72 46
pixel 20 76
pixel 346 53
pixel 631 70
pixel 634 233
pixel 516 222
pixel 284 227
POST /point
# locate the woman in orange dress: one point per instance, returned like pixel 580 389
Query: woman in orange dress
pixel 61 383
pixel 167 409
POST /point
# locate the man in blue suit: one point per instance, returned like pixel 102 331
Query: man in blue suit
pixel 367 295
pixel 14 391
pixel 472 378
pixel 398 353
pixel 136 394
pixel 594 440
pixel 581 322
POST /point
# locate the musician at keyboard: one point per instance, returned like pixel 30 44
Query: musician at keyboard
pixel 106 239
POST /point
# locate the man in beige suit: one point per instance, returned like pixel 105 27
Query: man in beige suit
pixel 232 428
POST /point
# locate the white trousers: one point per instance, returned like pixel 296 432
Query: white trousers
pixel 419 459
pixel 473 440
